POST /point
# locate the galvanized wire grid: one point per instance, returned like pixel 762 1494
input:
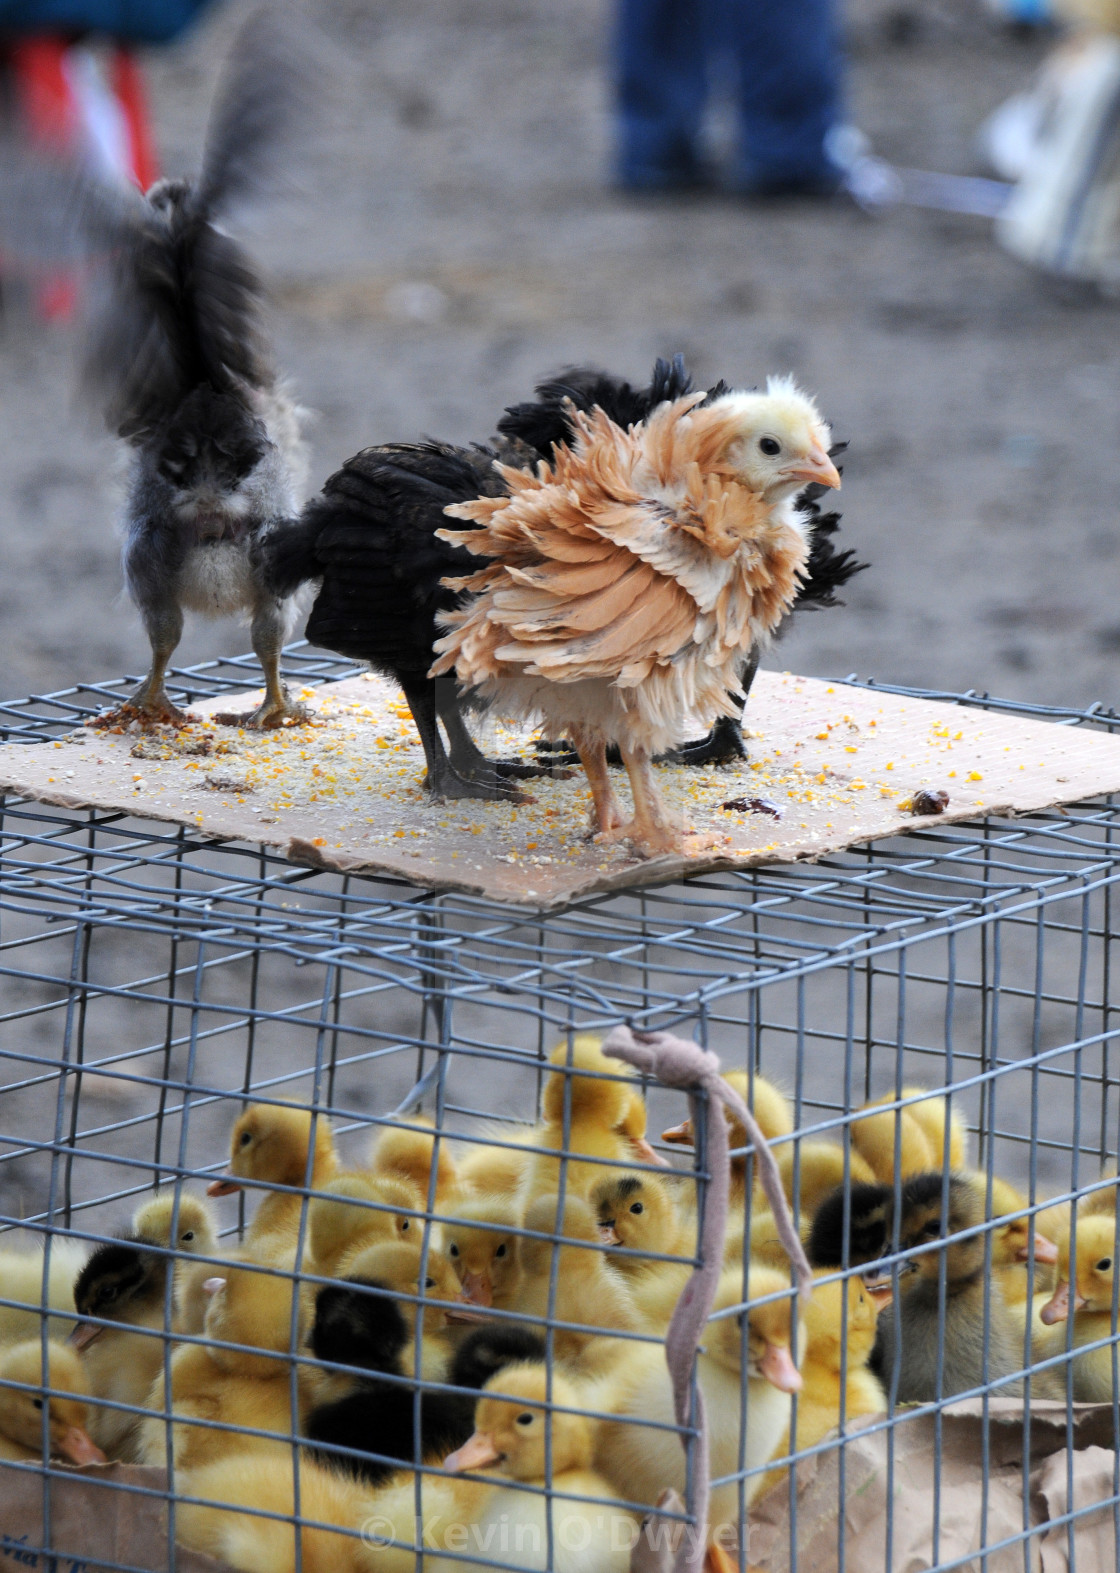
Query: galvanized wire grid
pixel 154 983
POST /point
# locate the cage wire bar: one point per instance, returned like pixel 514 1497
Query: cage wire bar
pixel 155 985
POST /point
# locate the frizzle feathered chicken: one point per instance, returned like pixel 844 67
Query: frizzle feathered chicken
pixel 628 583
pixel 371 540
pixel 547 422
pixel 179 363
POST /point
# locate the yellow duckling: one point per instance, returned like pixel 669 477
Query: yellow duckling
pixel 877 1135
pixel 605 1114
pixel 406 1153
pixel 1089 1295
pixel 486 1170
pixel 818 1168
pixel 641 1461
pixel 124 1285
pixel 196 1234
pixel 357 1211
pixel 517 1437
pixel 835 1382
pixel 235 1387
pixel 270 1145
pixel 247 1485
pixel 22 1275
pixel 587 1288
pixel 638 1213
pixel 481 1245
pixel 772 1111
pixel 21 1408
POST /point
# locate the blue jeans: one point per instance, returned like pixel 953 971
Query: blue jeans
pixel 786 58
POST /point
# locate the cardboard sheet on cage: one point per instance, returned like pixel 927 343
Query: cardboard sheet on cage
pixel 830 766
pixel 950 1521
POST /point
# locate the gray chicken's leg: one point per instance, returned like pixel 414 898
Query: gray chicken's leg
pixel 164 625
pixel 267 635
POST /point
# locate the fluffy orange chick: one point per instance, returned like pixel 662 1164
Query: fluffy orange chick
pixel 481 1245
pixel 355 1211
pixel 605 1114
pixel 407 1151
pixel 238 1388
pixel 629 581
pixel 839 1326
pixel 21 1411
pixel 638 1213
pixel 270 1144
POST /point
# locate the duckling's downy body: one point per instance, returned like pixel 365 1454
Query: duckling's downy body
pixel 1089 1295
pixel 912 1333
pixel 270 1144
pixel 22 1276
pixel 191 1220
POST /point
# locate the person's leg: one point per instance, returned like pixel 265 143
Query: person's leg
pixel 660 88
pixel 787 55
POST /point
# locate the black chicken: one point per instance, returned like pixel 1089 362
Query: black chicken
pixel 370 538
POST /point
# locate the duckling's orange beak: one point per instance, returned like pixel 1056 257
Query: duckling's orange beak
pixel 681 1133
pixel 1044 1250
pixel 477 1452
pixel 83 1335
pixel 880 1290
pixel 779 1370
pixel 78 1447
pixel 222 1187
pixel 477 1289
pixel 609 1234
pixel 1057 1308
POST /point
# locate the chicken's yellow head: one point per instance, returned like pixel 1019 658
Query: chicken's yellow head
pixel 778 442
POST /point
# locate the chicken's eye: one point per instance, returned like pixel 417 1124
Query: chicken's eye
pixel 770 446
pixel 525 1420
pixel 452 1249
pixel 637 1209
pixel 501 1251
pixel 1105 1264
pixel 37 1403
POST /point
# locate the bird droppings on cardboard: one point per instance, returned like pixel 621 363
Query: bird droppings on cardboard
pixel 841 765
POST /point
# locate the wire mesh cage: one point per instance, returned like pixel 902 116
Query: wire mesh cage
pixel 437 1183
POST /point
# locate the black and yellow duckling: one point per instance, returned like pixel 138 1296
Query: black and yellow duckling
pixel 125 1284
pixel 371 1429
pixel 972 1340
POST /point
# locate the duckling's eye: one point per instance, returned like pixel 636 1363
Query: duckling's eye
pixel 525 1420
pixel 501 1251
pixel 246 1138
pixel 406 1225
pixel 637 1208
pixel 1105 1264
pixel 37 1402
pixel 932 1231
pixel 453 1249
pixel 769 446
pixel 188 1237
pixel 429 1283
pixel 109 1294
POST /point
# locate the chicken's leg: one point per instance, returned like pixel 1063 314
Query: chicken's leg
pixel 654 827
pixel 467 759
pixel 443 779
pixel 267 635
pixel 164 625
pixel 607 816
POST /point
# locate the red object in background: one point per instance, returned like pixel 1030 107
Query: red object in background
pixel 53 117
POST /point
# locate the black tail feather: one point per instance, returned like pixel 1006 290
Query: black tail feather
pixel 545 422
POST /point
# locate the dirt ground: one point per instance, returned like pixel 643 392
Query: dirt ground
pixel 459 239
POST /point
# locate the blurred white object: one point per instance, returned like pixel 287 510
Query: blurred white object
pixel 1008 139
pixel 1064 214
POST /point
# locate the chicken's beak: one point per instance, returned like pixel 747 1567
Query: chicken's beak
pixel 79 1448
pixel 477 1452
pixel 646 1153
pixel 83 1335
pixel 779 1370
pixel 222 1188
pixel 1044 1250
pixel 609 1234
pixel 476 1289
pixel 815 466
pixel 681 1133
